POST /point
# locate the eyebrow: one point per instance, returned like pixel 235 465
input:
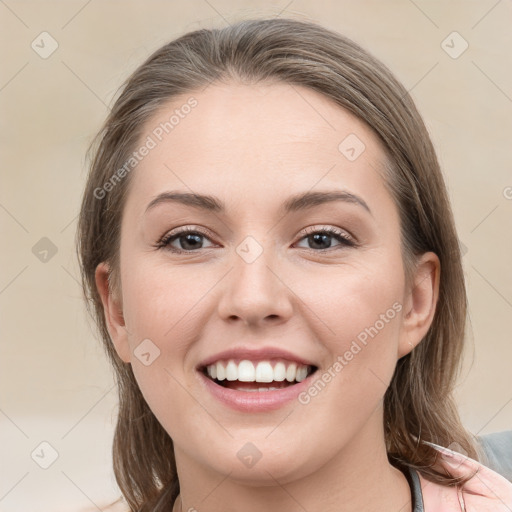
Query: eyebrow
pixel 295 203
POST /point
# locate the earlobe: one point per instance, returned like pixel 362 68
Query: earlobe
pixel 420 303
pixel 113 313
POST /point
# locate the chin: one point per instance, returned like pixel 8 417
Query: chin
pixel 263 460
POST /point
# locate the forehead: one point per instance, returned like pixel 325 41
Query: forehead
pixel 253 141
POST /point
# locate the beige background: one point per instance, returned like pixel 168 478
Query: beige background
pixel 55 381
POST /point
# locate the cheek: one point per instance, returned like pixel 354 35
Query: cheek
pixel 364 310
pixel 160 308
pixel 165 392
pixel 355 302
pixel 163 302
pixel 361 313
pixel 164 308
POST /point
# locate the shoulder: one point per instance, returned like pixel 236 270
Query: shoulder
pixel 486 491
pixel 498 450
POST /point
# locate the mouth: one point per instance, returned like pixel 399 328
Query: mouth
pixel 257 376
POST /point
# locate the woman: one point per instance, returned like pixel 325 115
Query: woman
pixel 267 245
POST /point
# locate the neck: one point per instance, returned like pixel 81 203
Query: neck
pixel 359 476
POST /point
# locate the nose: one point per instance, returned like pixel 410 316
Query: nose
pixel 255 293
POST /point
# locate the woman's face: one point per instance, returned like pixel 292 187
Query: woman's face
pixel 291 270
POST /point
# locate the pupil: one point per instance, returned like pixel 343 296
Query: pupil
pixel 318 236
pixel 187 237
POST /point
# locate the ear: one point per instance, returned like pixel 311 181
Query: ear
pixel 420 303
pixel 113 313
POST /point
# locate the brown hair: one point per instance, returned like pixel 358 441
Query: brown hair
pixel 418 405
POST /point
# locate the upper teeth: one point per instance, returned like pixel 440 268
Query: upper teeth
pixel 263 371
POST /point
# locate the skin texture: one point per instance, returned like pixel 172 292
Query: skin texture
pixel 253 147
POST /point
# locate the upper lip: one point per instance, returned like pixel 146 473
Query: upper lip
pixel 252 354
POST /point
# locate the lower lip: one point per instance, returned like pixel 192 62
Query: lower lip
pixel 254 401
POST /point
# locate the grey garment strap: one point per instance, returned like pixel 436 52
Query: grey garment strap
pixel 415 485
pixel 498 449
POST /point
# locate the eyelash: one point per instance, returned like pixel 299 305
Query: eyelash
pixel 344 239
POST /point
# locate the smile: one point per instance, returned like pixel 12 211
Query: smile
pixel 255 384
pixel 247 375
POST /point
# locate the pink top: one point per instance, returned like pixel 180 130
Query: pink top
pixel 487 491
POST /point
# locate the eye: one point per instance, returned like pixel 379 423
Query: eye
pixel 188 238
pixel 191 239
pixel 320 239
